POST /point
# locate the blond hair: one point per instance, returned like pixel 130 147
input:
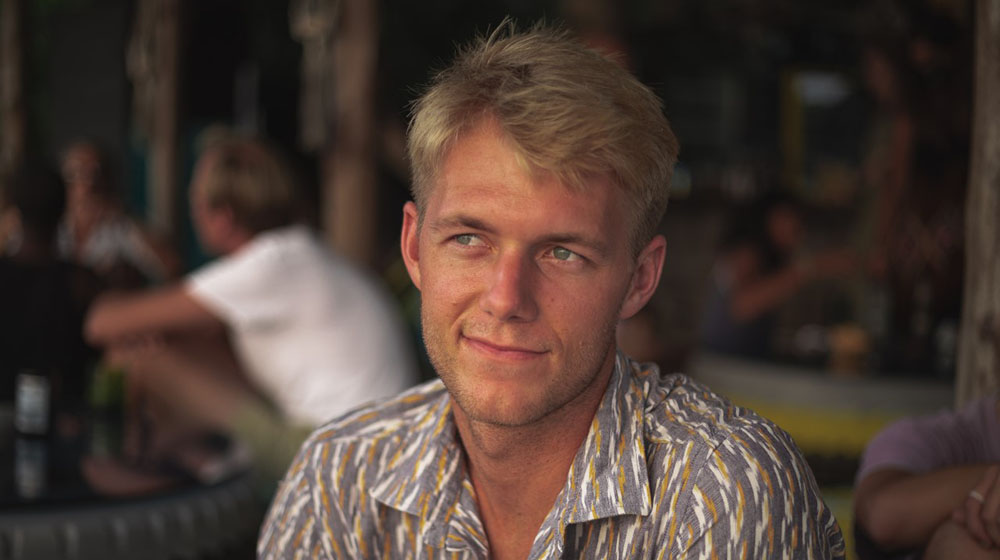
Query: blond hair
pixel 252 180
pixel 566 110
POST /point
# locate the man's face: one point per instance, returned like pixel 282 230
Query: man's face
pixel 210 223
pixel 523 282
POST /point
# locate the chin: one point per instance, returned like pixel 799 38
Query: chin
pixel 501 404
pixel 501 416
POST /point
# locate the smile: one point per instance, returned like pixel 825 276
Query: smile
pixel 503 352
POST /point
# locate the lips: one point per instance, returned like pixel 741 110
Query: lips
pixel 501 350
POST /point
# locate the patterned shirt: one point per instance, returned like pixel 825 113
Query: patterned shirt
pixel 668 470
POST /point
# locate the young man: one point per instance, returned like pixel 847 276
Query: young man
pixel 312 333
pixel 541 171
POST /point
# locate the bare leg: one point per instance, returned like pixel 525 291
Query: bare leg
pixel 213 351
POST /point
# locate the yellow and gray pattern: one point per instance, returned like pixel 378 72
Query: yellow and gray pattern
pixel 668 470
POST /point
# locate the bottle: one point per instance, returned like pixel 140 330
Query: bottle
pixel 31 467
pixel 33 413
pixel 107 405
pixel 33 403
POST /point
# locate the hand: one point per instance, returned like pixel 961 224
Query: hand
pixel 136 355
pixel 980 513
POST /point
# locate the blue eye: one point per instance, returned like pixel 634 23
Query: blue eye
pixel 564 254
pixel 467 239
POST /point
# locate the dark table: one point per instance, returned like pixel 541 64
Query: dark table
pixel 74 496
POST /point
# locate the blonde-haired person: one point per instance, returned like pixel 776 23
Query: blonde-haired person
pixel 530 84
pixel 313 334
pixel 541 170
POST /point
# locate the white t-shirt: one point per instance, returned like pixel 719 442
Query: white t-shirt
pixel 315 333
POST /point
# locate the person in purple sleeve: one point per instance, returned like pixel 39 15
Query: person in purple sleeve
pixel 930 485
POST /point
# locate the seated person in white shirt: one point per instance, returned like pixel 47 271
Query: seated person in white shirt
pixel 313 336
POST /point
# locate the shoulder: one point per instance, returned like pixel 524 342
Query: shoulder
pixel 288 254
pixel 375 428
pixel 329 480
pixel 248 265
pixel 743 481
pixel 681 410
pixel 729 449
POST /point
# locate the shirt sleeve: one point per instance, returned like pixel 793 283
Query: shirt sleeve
pixel 755 497
pixel 300 523
pixel 925 443
pixel 244 289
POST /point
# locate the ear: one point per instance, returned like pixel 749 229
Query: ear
pixel 645 277
pixel 409 242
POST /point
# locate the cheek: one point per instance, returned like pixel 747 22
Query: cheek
pixel 445 292
pixel 580 306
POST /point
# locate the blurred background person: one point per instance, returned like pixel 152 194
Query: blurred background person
pixel 914 173
pixel 313 335
pixel 44 298
pixel 763 263
pixel 928 487
pixel 97 232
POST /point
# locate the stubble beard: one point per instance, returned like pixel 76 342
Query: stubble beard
pixel 563 388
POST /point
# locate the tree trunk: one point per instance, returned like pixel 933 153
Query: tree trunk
pixel 349 178
pixel 13 112
pixel 979 348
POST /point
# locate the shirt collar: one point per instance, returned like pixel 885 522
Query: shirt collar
pixel 426 474
pixel 608 476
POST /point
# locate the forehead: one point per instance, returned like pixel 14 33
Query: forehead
pixel 483 175
pixel 82 151
pixel 79 156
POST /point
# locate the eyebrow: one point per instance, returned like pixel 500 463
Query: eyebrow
pixel 459 221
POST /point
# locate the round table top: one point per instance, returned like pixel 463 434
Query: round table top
pixel 74 494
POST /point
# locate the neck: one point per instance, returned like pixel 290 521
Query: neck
pixel 236 241
pixel 518 472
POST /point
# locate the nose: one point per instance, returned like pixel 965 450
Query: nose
pixel 509 292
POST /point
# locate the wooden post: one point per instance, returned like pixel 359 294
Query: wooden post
pixel 162 175
pixel 348 167
pixel 13 112
pixel 979 348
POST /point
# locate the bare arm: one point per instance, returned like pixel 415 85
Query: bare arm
pixel 756 298
pixel 901 510
pixel 157 312
pixel 756 294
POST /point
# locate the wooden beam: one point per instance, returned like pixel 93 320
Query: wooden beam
pixel 979 347
pixel 13 111
pixel 348 168
pixel 162 175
